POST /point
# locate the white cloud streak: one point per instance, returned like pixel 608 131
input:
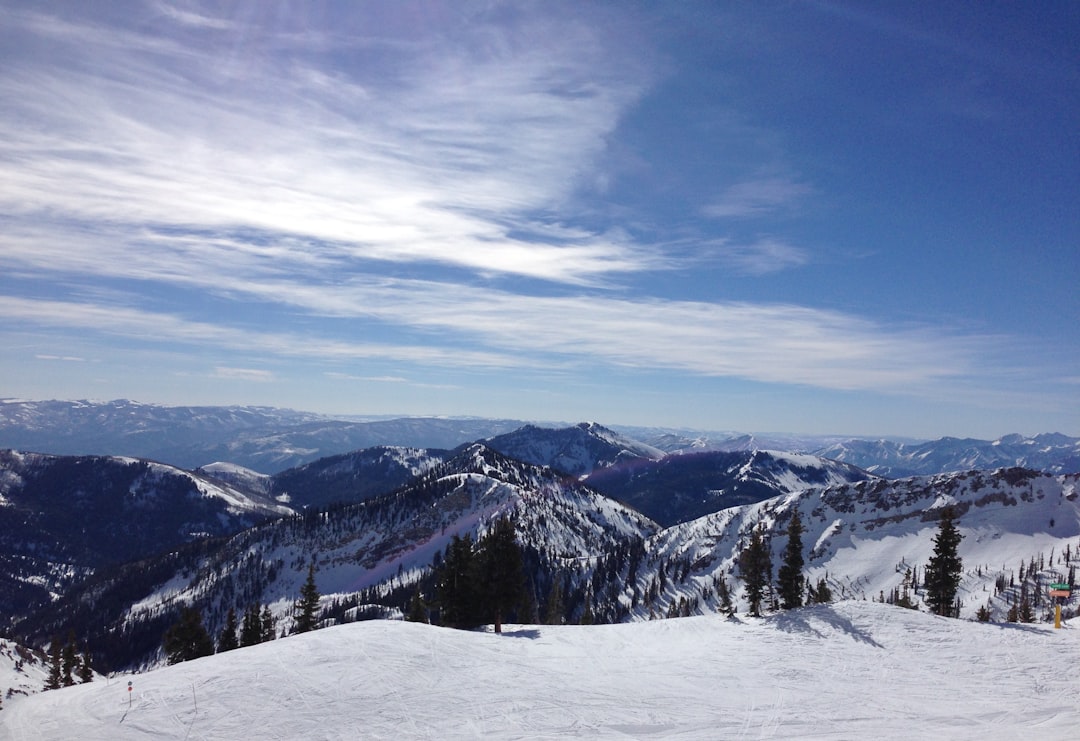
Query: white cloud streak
pixel 758 197
pixel 444 167
pixel 776 344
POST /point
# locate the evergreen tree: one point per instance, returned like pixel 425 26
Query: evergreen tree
pixel 904 598
pixel 723 594
pixel 69 661
pixel 456 585
pixel 822 593
pixel 227 640
pixel 528 611
pixel 307 607
pixel 56 672
pixel 941 578
pixel 269 625
pixel 251 631
pixel 588 617
pixel 502 582
pixel 187 638
pixel 554 607
pixel 417 609
pixel 789 578
pixel 86 672
pixel 755 567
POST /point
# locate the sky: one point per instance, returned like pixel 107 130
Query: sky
pixel 816 217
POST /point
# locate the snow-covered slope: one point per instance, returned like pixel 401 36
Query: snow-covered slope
pixel 677 488
pixel 62 517
pixel 238 477
pixel 848 671
pixel 23 671
pixel 864 537
pixel 577 450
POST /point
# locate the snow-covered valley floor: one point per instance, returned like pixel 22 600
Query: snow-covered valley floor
pixel 853 670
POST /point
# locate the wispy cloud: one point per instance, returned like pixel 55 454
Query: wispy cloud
pixel 761 257
pixel 769 343
pixel 243 374
pixel 64 358
pixel 758 197
pixel 447 166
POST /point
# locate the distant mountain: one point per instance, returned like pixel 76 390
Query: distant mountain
pixel 353 477
pixel 264 439
pixel 889 458
pixel 1052 453
pixel 699 441
pixel 577 450
pixel 269 440
pixel 62 517
pixel 678 488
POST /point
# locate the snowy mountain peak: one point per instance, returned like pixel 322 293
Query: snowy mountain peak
pixel 577 450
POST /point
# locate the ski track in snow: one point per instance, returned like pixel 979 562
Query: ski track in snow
pixel 847 671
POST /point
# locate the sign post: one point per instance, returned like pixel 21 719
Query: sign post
pixel 1061 592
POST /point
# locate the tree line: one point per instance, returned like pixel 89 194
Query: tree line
pixel 941 576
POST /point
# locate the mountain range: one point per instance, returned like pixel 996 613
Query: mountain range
pixel 270 440
pixel 112 547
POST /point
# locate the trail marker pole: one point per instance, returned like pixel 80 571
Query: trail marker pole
pixel 129 693
pixel 1060 592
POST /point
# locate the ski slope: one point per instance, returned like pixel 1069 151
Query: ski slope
pixel 850 670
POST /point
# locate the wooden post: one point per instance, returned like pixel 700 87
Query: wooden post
pixel 1057 616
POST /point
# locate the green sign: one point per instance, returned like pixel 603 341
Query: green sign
pixel 1061 586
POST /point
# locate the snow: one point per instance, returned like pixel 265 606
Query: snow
pixel 843 671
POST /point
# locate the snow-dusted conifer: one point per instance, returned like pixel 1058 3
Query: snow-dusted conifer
pixel 941 578
pixel 307 607
pixel 227 640
pixel 755 567
pixel 789 578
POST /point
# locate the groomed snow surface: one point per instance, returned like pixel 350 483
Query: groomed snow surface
pixel 854 670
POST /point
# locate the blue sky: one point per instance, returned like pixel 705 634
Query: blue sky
pixel 824 217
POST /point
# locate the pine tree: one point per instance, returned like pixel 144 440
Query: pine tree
pixel 417 609
pixel 822 593
pixel 86 671
pixel 789 578
pixel 554 609
pixel 1025 613
pixel 269 625
pixel 723 594
pixel 502 582
pixel 251 631
pixel 307 607
pixel 528 610
pixel 456 585
pixel 227 640
pixel 941 577
pixel 904 599
pixel 187 638
pixel 69 660
pixel 53 682
pixel 755 567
